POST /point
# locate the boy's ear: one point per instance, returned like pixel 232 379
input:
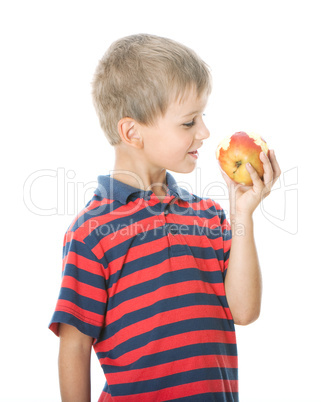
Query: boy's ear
pixel 128 130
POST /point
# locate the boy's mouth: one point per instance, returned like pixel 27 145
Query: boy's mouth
pixel 194 154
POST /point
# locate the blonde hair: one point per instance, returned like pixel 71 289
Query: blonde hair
pixel 140 75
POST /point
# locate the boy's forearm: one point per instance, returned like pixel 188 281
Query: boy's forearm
pixel 74 377
pixel 74 366
pixel 243 282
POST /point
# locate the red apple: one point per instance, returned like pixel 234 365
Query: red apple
pixel 235 151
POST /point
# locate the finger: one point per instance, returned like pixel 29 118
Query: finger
pixel 226 178
pixel 233 186
pixel 258 184
pixel 275 166
pixel 268 170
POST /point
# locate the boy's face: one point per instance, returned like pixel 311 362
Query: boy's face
pixel 172 142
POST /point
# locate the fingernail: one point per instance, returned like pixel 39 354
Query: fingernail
pixel 248 164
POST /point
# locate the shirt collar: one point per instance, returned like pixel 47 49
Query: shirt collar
pixel 110 188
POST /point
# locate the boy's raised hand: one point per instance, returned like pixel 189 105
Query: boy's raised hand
pixel 245 199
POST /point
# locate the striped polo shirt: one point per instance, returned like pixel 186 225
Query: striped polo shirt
pixel 145 279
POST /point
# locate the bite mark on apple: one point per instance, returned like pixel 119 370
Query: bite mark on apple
pixel 259 141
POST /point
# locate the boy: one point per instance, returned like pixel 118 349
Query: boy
pixel 154 277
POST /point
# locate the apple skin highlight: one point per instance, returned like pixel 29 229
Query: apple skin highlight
pixel 235 151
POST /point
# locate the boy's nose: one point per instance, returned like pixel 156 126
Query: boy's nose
pixel 203 132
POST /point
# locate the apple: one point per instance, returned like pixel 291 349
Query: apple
pixel 235 151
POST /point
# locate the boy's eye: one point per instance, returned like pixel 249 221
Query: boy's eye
pixel 190 124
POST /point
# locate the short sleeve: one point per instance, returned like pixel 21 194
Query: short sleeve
pixel 83 297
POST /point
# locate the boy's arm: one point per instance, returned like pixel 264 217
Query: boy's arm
pixel 243 284
pixel 74 364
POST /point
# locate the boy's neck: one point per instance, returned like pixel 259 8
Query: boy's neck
pixel 131 170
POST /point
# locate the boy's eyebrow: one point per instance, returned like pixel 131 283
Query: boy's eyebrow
pixel 189 114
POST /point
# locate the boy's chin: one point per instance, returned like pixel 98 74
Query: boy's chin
pixel 184 170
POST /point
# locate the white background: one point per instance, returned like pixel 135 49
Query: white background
pixel 265 59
